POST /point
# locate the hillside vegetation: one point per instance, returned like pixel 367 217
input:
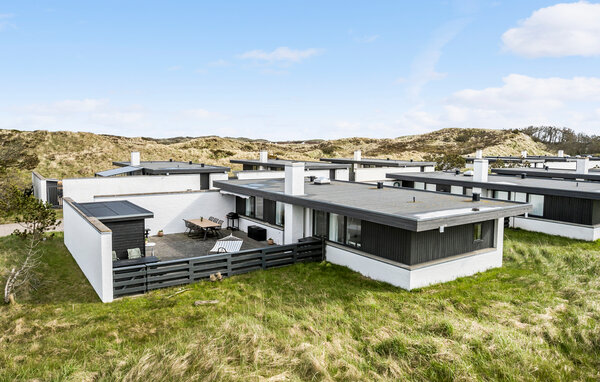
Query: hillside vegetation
pixel 536 318
pixel 75 154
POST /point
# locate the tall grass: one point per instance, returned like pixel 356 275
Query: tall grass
pixel 536 318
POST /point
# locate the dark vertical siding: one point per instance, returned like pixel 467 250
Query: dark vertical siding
pixel 384 241
pixel 408 184
pixel 204 181
pixel 269 211
pixel 240 205
pixel 127 235
pixel 596 212
pixel 567 209
pixel 433 245
pixel 52 192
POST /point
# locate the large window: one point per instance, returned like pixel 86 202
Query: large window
pixel 502 195
pixel 538 204
pixel 250 206
pixel 259 208
pixel 279 213
pixel 320 223
pixel 353 236
pixel 336 228
pixel 518 197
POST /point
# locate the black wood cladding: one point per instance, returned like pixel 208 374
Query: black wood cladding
pixel 410 248
pixel 572 210
pixel 127 235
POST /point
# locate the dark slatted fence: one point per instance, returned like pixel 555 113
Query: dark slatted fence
pixel 142 278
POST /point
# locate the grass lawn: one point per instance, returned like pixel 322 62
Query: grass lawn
pixel 536 318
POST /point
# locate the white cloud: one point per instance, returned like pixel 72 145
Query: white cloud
pixel 366 39
pixel 219 63
pixel 519 102
pixel 423 66
pixel 566 29
pixel 174 68
pixel 282 54
pixel 6 21
pixel 199 113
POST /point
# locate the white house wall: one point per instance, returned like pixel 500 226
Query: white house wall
pixel 274 233
pixel 171 208
pixel 85 189
pixel 573 231
pixel 373 174
pixel 340 174
pixel 39 187
pixel 91 249
pixel 420 276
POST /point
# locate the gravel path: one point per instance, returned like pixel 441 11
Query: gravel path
pixel 7 229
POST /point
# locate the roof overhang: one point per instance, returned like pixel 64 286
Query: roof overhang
pixel 405 222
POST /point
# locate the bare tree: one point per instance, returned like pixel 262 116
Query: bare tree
pixel 36 217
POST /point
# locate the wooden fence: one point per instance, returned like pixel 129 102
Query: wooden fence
pixel 138 279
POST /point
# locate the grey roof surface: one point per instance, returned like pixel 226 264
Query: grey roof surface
pixel 118 210
pixel 593 174
pixel 390 206
pixel 379 162
pixel 530 158
pixel 118 171
pixel 174 167
pixel 282 163
pixel 585 190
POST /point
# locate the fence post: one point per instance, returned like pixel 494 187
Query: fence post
pixel 263 258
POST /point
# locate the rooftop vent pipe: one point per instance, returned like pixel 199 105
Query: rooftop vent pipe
pixel 457 172
pixel 523 175
pixel 379 185
pixel 170 159
pixel 476 197
pixel 201 164
pixel 190 162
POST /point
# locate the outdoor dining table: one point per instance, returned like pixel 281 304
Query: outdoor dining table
pixel 204 224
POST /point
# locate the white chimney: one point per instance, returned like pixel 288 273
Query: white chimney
pixel 561 153
pixel 135 158
pixel 480 170
pixel 263 156
pixel 583 164
pixel 523 154
pixel 480 173
pixel 294 178
pixel 479 154
pixel 357 155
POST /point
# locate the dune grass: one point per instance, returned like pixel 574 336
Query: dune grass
pixel 536 318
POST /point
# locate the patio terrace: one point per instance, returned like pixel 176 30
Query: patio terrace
pixel 180 246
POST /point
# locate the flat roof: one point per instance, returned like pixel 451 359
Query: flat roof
pixel 409 209
pixel 532 158
pixel 174 167
pixel 282 163
pixel 559 187
pixel 380 162
pixel 118 210
pixel 118 171
pixel 592 174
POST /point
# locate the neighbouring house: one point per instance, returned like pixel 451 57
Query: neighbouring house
pixel 272 168
pixel 374 170
pixel 408 238
pixel 580 173
pixel 560 161
pixel 561 207
pixel 47 190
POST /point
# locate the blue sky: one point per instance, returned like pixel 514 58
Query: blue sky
pixel 298 70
